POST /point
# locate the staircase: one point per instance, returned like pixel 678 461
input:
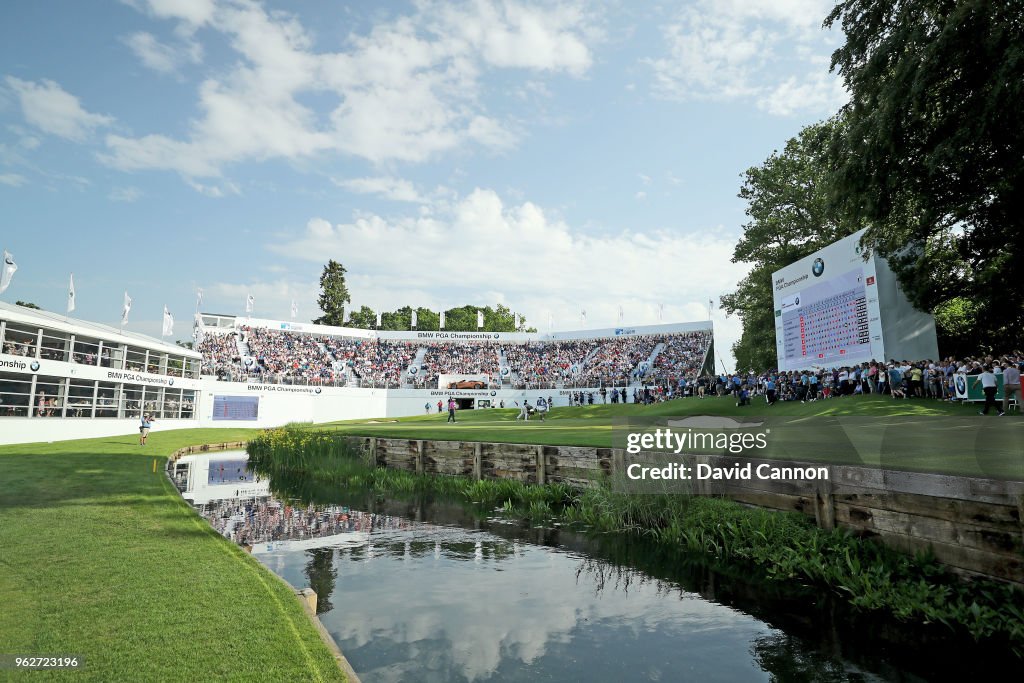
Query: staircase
pixel 654 354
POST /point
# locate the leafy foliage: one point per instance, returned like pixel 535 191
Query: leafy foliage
pixel 791 216
pixel 932 151
pixel 333 294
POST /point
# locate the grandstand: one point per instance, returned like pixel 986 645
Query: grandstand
pixel 63 378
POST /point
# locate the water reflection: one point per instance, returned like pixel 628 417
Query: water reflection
pixel 427 590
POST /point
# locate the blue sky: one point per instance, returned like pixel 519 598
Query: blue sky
pixel 551 156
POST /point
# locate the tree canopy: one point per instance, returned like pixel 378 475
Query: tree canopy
pixel 333 294
pixel 931 155
pixel 791 216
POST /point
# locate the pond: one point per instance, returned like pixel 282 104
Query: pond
pixel 428 590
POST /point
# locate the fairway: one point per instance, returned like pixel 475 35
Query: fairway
pixel 103 559
pixel 933 450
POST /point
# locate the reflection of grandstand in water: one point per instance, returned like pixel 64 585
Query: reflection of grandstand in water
pixel 207 477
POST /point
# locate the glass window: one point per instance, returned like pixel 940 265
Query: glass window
pixel 54 346
pixel 172 404
pixel 80 398
pixel 86 351
pixel 131 398
pixel 193 367
pixel 111 355
pixel 188 404
pixel 175 364
pixel 15 394
pixel 136 359
pixel 20 340
pixel 106 400
pixel 157 363
pixel 49 398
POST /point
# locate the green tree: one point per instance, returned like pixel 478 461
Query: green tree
pixel 27 304
pixel 932 154
pixel 333 294
pixel 791 216
pixel 365 318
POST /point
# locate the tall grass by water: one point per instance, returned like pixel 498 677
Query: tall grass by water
pixel 782 547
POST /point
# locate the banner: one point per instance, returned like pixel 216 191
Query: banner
pixel 480 319
pixel 168 328
pixel 378 320
pixel 199 299
pixel 124 311
pixel 8 272
pixel 442 320
pixel 969 390
pixel 71 293
pixel 414 318
pixel 250 304
pixel 295 309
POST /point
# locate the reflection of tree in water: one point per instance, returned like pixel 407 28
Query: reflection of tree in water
pixel 789 660
pixel 321 574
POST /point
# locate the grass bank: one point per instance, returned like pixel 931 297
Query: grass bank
pixel 101 558
pixel 928 446
pixel 780 546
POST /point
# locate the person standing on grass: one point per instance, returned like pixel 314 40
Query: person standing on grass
pixel 147 424
pixel 1011 385
pixel 426 407
pixel 451 409
pixel 769 390
pixel 987 379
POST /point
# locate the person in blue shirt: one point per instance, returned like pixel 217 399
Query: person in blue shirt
pixel 769 390
pixel 147 424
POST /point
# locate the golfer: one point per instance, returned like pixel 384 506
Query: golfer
pixel 147 424
pixel 524 411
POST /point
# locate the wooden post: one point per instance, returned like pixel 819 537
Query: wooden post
pixel 477 462
pixel 542 475
pixel 824 504
pixel 373 451
pixel 419 457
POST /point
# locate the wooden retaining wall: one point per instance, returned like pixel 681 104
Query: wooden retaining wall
pixel 973 526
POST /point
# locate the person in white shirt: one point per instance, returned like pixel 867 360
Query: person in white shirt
pixel 1011 385
pixel 987 379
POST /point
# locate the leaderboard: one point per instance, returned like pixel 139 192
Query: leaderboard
pixel 245 408
pixel 828 322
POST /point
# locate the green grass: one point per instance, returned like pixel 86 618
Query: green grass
pixel 928 448
pixel 100 557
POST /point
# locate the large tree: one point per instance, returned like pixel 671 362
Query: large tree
pixel 932 153
pixel 333 294
pixel 791 216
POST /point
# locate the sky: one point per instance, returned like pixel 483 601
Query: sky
pixel 551 156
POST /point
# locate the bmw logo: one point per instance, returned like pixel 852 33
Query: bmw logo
pixel 818 268
pixel 494 393
pixel 34 366
pixel 317 390
pixel 170 382
pixel 961 385
pixel 796 301
pixel 413 369
pixel 496 335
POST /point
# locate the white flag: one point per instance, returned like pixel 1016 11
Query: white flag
pixel 197 331
pixel 295 309
pixel 551 322
pixel 71 293
pixel 199 298
pixel 348 315
pixel 516 319
pixel 622 314
pixel 8 272
pixel 661 313
pixel 480 319
pixel 127 307
pixel 442 320
pixel 414 318
pixel 250 304
pixel 378 320
pixel 583 317
pixel 168 329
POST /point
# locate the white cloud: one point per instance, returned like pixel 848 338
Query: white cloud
pixel 641 195
pixel 160 56
pixel 53 110
pixel 772 53
pixel 480 250
pixel 125 194
pixel 12 179
pixel 407 90
pixel 395 189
